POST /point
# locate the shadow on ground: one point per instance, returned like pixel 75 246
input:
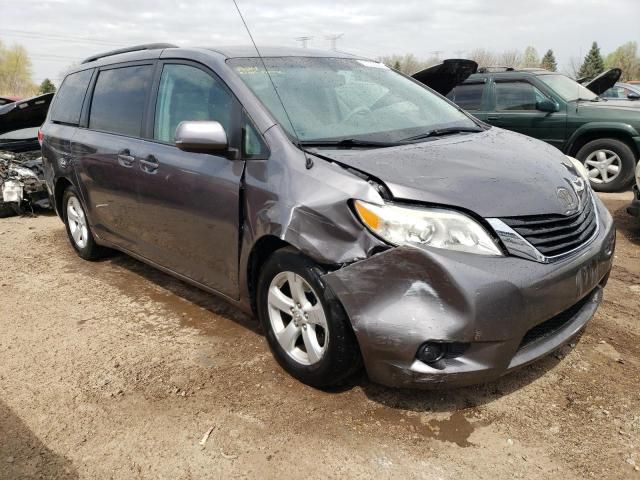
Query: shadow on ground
pixel 24 456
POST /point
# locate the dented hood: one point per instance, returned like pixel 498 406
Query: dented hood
pixel 602 82
pixel 444 77
pixel 495 173
pixel 31 112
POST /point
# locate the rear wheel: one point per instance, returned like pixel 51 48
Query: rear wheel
pixel 305 325
pixel 78 230
pixel 610 163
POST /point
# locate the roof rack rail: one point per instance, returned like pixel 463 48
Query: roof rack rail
pixel 136 48
pixel 496 68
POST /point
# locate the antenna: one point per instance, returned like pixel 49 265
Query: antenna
pixel 264 65
pixel 303 41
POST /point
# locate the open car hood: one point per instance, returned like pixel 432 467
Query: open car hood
pixel 602 82
pixel 444 77
pixel 6 100
pixel 31 112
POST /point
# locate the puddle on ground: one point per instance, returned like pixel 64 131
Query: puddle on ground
pixel 455 429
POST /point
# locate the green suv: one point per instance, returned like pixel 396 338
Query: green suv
pixel 604 135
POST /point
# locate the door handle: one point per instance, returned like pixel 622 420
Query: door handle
pixel 126 159
pixel 149 164
pixel 493 117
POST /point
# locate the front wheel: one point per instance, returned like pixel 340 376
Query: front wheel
pixel 306 327
pixel 610 163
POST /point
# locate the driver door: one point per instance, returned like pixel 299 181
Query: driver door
pixel 190 202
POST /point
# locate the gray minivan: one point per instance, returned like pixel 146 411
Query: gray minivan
pixel 362 217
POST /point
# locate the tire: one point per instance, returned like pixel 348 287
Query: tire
pixel 75 219
pixel 334 354
pixel 9 209
pixel 601 156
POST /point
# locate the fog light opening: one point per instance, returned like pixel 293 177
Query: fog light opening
pixel 432 352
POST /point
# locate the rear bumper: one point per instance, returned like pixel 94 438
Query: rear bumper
pixel 399 299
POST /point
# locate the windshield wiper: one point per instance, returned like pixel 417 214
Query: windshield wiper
pixel 348 143
pixel 439 132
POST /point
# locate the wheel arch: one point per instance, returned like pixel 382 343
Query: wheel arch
pixel 61 185
pixel 595 131
pixel 261 250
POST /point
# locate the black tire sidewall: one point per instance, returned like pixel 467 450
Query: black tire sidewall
pixel 627 159
pixel 342 356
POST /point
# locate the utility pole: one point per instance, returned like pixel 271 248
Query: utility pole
pixel 334 39
pixel 303 41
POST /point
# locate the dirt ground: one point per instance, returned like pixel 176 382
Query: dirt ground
pixel 114 370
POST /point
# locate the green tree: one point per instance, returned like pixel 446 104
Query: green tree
pixel 593 64
pixel 47 86
pixel 530 59
pixel 549 61
pixel 626 58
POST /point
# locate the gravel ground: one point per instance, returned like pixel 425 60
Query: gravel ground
pixel 114 370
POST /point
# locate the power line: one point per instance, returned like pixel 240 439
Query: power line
pixel 37 35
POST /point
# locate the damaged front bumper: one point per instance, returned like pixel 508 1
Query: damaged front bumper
pixel 505 311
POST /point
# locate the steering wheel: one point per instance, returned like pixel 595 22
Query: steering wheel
pixel 356 111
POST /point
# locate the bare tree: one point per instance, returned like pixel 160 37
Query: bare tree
pixel 510 58
pixel 15 72
pixel 483 57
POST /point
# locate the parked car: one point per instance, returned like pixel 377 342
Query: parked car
pixel 22 184
pixel 622 91
pixel 603 135
pixel 359 215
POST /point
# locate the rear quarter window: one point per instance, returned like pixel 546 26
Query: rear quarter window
pixel 119 99
pixel 467 96
pixel 68 102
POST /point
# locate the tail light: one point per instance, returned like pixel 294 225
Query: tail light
pixel 40 136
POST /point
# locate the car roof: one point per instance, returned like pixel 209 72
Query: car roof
pixel 244 51
pixel 153 51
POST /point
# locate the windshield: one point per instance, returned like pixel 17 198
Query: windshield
pixel 332 99
pixel 567 88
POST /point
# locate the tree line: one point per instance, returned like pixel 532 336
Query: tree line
pixel 625 57
pixel 16 75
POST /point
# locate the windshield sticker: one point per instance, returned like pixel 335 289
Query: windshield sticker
pixel 371 64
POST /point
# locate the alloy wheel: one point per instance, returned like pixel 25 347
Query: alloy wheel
pixel 603 166
pixel 298 318
pixel 77 223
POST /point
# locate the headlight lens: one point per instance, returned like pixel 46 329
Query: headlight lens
pixel 433 227
pixel 580 168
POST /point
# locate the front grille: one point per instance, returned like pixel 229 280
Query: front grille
pixel 556 234
pixel 548 328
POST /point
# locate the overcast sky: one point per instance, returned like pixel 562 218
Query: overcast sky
pixel 58 33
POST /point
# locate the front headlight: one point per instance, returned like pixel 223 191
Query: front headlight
pixel 433 227
pixel 580 168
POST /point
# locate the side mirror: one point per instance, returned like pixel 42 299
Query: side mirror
pixel 633 96
pixel 547 105
pixel 201 137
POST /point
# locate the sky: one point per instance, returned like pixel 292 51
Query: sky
pixel 59 33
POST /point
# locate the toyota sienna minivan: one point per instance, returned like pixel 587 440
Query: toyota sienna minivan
pixel 362 217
